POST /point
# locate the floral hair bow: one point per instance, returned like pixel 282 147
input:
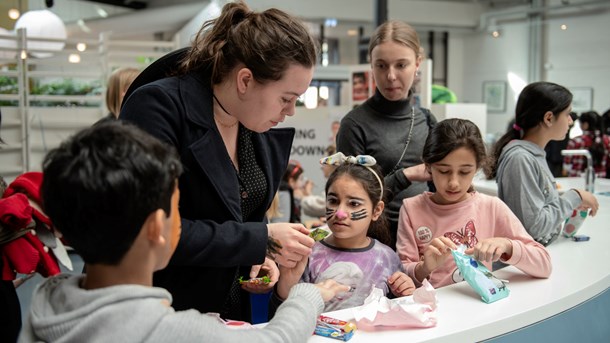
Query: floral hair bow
pixel 364 160
pixel 339 159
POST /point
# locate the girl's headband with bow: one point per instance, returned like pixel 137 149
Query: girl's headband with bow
pixel 364 160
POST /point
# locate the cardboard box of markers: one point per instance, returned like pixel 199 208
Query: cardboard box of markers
pixel 334 328
pixel 327 326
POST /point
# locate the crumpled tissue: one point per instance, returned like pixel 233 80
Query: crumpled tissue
pixel 416 311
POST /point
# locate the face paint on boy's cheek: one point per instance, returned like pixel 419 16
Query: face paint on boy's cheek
pixel 358 215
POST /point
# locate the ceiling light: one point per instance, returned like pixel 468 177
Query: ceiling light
pixel 330 22
pixel 564 27
pixel 101 12
pixel 13 13
pixel 495 34
pixel 83 26
pixel 74 58
pixel 43 24
pixel 81 47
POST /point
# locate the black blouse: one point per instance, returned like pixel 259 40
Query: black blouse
pixel 252 182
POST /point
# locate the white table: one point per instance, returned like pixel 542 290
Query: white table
pixel 581 271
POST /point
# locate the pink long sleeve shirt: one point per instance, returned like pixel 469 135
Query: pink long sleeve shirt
pixel 467 222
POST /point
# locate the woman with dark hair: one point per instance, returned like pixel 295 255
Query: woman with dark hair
pixel 241 77
pixel 592 139
pixel 525 182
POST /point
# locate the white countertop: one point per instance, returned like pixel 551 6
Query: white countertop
pixel 581 270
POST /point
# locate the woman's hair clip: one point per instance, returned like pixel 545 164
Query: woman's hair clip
pixel 339 159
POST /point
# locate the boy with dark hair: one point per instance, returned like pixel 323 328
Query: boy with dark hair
pixel 112 192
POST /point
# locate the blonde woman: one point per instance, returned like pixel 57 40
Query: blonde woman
pixel 118 83
pixel 386 126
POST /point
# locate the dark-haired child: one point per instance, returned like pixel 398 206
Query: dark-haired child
pixel 525 182
pixel 431 224
pixel 592 139
pixel 356 254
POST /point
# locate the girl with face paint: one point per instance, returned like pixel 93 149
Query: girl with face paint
pixel 355 254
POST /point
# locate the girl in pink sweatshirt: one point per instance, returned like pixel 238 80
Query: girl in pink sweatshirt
pixel 432 224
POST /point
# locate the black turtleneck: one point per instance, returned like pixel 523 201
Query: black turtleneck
pixel 400 108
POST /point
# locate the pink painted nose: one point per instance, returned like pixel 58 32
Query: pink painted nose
pixel 341 214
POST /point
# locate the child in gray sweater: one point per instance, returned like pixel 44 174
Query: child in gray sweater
pixel 112 190
pixel 525 182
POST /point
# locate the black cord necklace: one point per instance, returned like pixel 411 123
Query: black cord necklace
pixel 227 112
pixel 219 104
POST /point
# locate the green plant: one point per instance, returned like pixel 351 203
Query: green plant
pixel 8 85
pixel 66 87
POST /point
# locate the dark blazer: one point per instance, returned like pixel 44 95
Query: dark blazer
pixel 214 241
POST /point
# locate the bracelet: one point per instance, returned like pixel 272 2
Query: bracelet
pixel 578 192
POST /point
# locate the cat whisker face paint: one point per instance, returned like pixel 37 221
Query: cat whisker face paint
pixel 330 212
pixel 358 215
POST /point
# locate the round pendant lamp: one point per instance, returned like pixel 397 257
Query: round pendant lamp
pixel 42 24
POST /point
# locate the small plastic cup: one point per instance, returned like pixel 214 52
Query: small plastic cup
pixel 574 222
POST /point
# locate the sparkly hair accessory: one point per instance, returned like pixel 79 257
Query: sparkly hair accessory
pixel 364 160
pixel 339 159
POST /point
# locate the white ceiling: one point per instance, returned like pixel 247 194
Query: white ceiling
pixel 164 17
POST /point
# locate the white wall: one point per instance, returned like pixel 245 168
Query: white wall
pixel 476 113
pixel 490 59
pixel 187 33
pixel 580 55
pixel 445 13
pixel 576 57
